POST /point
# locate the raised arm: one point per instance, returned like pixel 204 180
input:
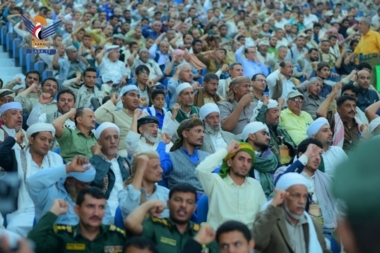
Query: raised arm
pixel 371 111
pixel 60 122
pixel 324 107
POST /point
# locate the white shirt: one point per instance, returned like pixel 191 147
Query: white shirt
pixel 136 143
pixel 287 84
pixel 311 180
pixel 113 200
pixel 280 24
pixel 308 21
pixel 376 20
pixel 36 116
pixel 116 69
pixel 218 141
pixel 332 158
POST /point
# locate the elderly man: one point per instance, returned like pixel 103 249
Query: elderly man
pixel 111 169
pixel 64 182
pixel 237 160
pixel 11 117
pixel 281 82
pixel 144 134
pixel 251 63
pixel 130 98
pixel 6 96
pixel 237 111
pixel 215 138
pixel 185 109
pixel 368 48
pixel 256 134
pixel 366 96
pixel 208 94
pixel 26 163
pixel 312 100
pixel 179 165
pixel 68 66
pixel 332 156
pixel 235 70
pixel 284 226
pixel 346 127
pixel 293 119
pixel 159 51
pixel 280 142
pixel 183 74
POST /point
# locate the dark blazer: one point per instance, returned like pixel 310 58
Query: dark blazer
pixel 271 234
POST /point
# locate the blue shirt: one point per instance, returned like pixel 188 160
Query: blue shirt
pixel 366 98
pixel 325 91
pixel 250 68
pixel 159 115
pixel 147 32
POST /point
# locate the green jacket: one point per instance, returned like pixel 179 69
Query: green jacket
pixel 50 238
pixel 164 233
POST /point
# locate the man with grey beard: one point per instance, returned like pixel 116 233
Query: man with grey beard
pixel 214 138
pixel 144 134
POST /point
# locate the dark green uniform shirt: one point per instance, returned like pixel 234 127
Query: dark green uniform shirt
pixel 164 233
pixel 50 238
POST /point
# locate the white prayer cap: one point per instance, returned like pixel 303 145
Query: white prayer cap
pixel 272 104
pixel 181 87
pixel 253 128
pixel 127 88
pixel 111 47
pixel 206 109
pixel 374 124
pixel 316 126
pixel 40 127
pixel 86 177
pixel 10 106
pixel 99 130
pixel 287 180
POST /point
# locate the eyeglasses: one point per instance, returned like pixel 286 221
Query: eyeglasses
pixel 143 74
pixel 299 100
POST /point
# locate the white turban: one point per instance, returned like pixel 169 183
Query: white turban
pixel 40 127
pixel 181 87
pixel 10 106
pixel 99 130
pixel 253 128
pixel 374 123
pixel 316 126
pixel 111 47
pixel 287 180
pixel 206 109
pixel 127 88
pixel 272 104
pixel 86 177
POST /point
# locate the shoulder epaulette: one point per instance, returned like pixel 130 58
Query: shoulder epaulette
pixel 116 229
pixel 162 221
pixel 60 228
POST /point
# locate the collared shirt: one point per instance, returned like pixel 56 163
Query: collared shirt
pixel 117 187
pixel 287 84
pixel 366 98
pixel 162 58
pixel 115 69
pixel 84 95
pixel 296 125
pixel 311 104
pixel 227 200
pixel 332 158
pixel 296 234
pixel 311 190
pixel 28 103
pixel 369 43
pixel 37 116
pixel 294 54
pixel 154 69
pixel 67 69
pixel 74 142
pixel 217 141
pixel 250 68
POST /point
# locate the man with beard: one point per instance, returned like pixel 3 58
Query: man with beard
pixel 144 134
pixel 284 226
pixel 306 61
pixel 169 234
pixel 65 101
pixel 159 51
pixel 208 93
pixel 180 163
pixel 49 87
pixel 312 99
pixel 223 188
pixel 111 169
pixel 32 76
pixel 215 138
pixel 87 233
pixel 183 74
pixel 256 134
pixel 64 182
pixel 346 127
pixel 11 118
pixel 332 156
pixel 366 96
pixel 235 70
pixel 27 162
pixel 130 98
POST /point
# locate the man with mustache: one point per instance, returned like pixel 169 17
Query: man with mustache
pixel 88 233
pixel 283 226
pixel 111 169
pixel 346 127
pixel 64 182
pixel 208 93
pixel 48 86
pixel 214 138
pixel 32 76
pixel 169 234
pixel 26 162
pixel 321 205
pixel 11 119
pixel 144 134
pixel 221 188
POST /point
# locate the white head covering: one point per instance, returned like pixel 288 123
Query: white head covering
pixel 374 123
pixel 103 127
pixel 272 104
pixel 127 88
pixel 10 106
pixel 111 47
pixel 316 126
pixel 287 180
pixel 40 127
pixel 86 177
pixel 206 109
pixel 253 128
pixel 181 87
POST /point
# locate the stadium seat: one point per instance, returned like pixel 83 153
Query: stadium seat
pixel 15 51
pixel 47 73
pixel 3 34
pixel 202 209
pixel 30 59
pixel 9 40
pixel 57 150
pixel 164 82
pixel 22 62
pixel 40 66
pixel 34 221
pixel 119 222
